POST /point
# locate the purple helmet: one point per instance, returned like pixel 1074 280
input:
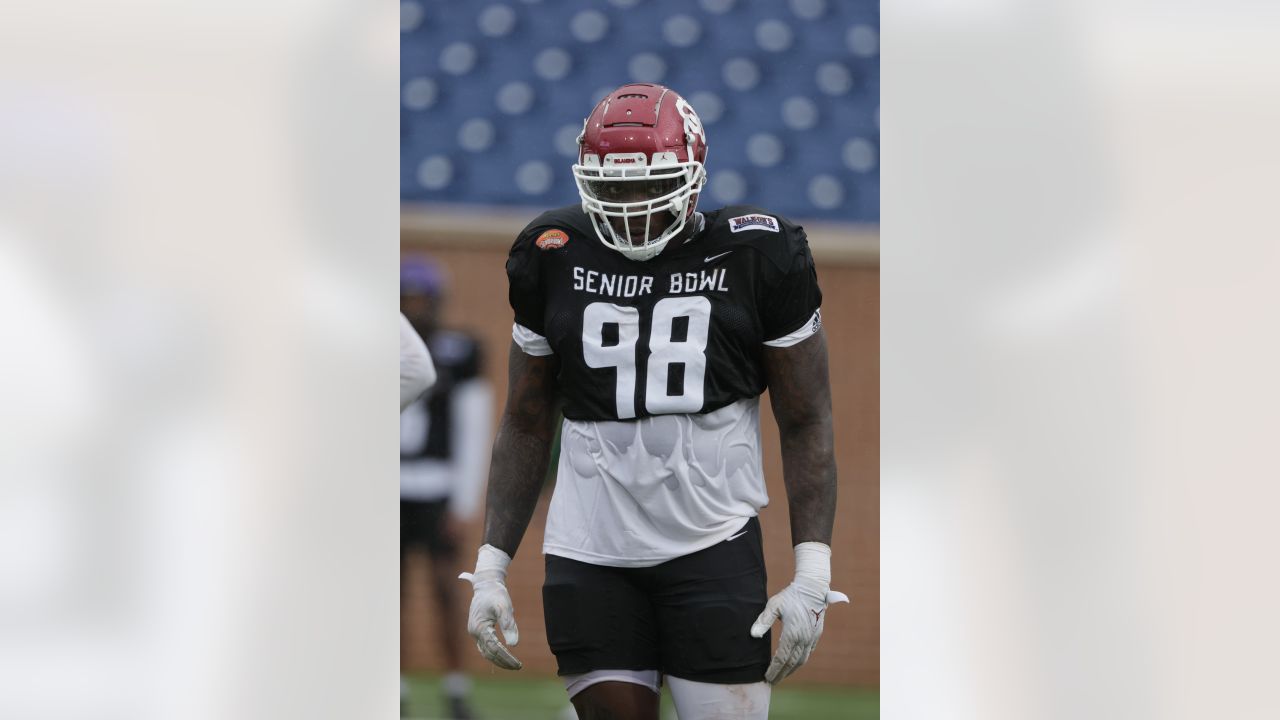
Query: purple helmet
pixel 419 276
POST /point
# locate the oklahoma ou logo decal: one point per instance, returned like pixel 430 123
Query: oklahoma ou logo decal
pixel 552 239
pixel 692 125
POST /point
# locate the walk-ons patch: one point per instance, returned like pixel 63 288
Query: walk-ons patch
pixel 552 239
pixel 753 222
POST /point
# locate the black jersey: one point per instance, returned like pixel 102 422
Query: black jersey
pixel 426 428
pixel 680 333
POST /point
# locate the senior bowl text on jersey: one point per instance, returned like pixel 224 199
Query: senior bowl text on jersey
pixel 679 333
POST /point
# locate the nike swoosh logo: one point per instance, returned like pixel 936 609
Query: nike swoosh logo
pixel 744 532
pixel 714 257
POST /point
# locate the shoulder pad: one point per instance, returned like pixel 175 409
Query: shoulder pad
pixel 569 219
pixel 773 235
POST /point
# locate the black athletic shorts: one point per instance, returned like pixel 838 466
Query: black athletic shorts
pixel 689 617
pixel 422 525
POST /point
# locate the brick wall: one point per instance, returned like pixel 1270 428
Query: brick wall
pixel 849 652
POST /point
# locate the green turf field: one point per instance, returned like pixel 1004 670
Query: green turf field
pixel 504 697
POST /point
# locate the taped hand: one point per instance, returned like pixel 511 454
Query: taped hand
pixel 802 607
pixel 491 608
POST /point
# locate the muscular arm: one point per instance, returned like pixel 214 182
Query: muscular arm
pixel 800 393
pixel 521 449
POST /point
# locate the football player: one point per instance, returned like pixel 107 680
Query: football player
pixel 444 443
pixel 656 328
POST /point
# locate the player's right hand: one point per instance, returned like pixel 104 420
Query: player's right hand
pixel 491 606
pixel 801 607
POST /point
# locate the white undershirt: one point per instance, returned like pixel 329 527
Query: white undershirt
pixel 637 493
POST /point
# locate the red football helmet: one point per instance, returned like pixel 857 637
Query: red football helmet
pixel 641 154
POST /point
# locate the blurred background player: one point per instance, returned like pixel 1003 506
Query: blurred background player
pixel 444 444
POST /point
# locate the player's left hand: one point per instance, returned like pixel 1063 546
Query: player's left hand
pixel 491 607
pixel 802 607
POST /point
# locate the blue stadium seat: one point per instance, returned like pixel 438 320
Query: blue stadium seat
pixel 494 93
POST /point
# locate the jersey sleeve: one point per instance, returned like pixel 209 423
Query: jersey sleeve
pixel 791 302
pixel 417 371
pixel 525 287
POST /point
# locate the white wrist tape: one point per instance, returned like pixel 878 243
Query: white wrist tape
pixel 491 564
pixel 813 562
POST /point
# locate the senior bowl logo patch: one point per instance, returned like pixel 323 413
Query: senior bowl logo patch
pixel 753 222
pixel 552 239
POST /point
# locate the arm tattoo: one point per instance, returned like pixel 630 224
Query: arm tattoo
pixel 521 449
pixel 800 393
